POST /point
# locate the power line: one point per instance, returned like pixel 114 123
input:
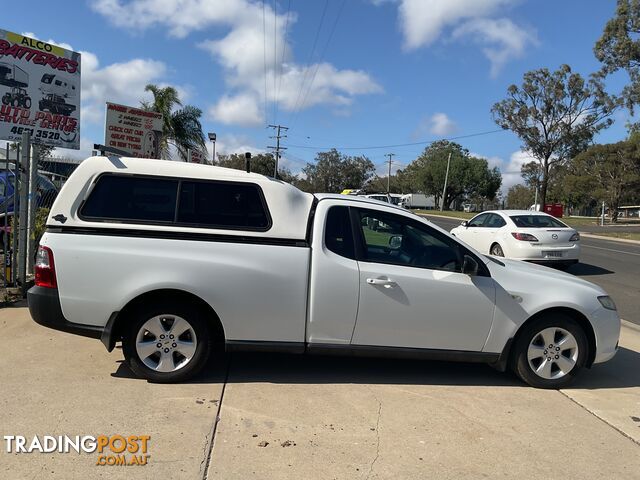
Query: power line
pixel 426 142
pixel 284 50
pixel 313 49
pixel 319 62
pixel 275 54
pixel 264 55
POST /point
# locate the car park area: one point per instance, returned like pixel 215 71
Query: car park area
pixel 283 416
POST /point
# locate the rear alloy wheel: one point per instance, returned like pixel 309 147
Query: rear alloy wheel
pixel 496 250
pixel 551 352
pixel 167 343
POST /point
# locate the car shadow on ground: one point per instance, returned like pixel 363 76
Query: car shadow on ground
pixel 587 270
pixel 620 372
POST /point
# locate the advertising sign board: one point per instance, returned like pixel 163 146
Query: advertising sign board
pixel 133 130
pixel 39 91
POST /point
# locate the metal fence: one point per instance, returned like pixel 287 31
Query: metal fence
pixel 26 195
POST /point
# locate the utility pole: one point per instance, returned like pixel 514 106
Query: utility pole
pixel 446 179
pixel 277 148
pixel 390 155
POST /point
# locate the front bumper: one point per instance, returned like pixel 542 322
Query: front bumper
pixel 606 326
pixel 45 309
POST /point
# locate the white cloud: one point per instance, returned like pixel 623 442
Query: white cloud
pixel 510 169
pixel 502 39
pixel 422 21
pixel 438 124
pixel 241 53
pixel 118 83
pixel 425 21
pixel 240 109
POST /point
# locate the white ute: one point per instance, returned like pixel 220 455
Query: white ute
pixel 176 260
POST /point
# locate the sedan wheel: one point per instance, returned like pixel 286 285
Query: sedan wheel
pixel 167 342
pixel 496 250
pixel 553 353
pixel 549 352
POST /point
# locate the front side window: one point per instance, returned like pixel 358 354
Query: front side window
pixel 129 198
pixel 399 240
pixel 338 236
pixel 223 205
pixel 479 220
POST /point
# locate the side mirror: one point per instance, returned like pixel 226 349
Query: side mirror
pixel 395 242
pixel 469 265
pixel 464 224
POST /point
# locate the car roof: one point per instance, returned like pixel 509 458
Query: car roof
pixel 356 198
pixel 516 212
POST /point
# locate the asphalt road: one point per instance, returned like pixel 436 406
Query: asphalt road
pixel 615 266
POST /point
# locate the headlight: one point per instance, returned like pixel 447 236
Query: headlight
pixel 607 302
pixel 575 237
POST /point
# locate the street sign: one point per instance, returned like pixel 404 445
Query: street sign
pixel 39 91
pixel 133 130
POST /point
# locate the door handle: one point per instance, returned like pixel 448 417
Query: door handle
pixel 386 283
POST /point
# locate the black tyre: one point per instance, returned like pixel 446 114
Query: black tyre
pixel 6 99
pixel 27 102
pixel 496 250
pixel 550 352
pixel 167 342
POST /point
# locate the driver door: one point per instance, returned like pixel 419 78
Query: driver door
pixel 412 291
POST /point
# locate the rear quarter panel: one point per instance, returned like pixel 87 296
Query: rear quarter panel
pixel 258 291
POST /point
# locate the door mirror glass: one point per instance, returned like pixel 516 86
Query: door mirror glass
pixel 469 265
pixel 464 224
pixel 395 242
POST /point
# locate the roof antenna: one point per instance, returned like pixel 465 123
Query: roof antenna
pixel 247 162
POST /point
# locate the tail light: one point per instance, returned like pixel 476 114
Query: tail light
pixel 45 268
pixel 525 237
pixel 575 237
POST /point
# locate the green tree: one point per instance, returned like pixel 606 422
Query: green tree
pixel 468 176
pixel 262 163
pixel 619 48
pixel 555 114
pixel 333 172
pixel 181 126
pixel 520 197
pixel 608 172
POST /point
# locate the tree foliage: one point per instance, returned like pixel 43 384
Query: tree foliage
pixel 520 197
pixel 262 163
pixel 468 176
pixel 333 172
pixel 181 126
pixel 619 48
pixel 607 172
pixel 555 114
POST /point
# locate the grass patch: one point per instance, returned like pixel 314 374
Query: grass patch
pixel 624 235
pixel 447 213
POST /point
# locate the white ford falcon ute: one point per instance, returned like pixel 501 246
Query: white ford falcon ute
pixel 177 260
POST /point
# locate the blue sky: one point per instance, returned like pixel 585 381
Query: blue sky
pixel 383 72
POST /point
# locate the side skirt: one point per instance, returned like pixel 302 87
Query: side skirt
pixel 362 351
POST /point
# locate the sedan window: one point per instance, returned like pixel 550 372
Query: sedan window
pixel 537 221
pixel 399 240
pixel 495 221
pixel 479 220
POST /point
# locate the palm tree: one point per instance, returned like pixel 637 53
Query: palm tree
pixel 182 128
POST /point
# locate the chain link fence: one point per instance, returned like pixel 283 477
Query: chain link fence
pixel 26 196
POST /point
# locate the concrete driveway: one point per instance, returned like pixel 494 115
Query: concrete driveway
pixel 292 417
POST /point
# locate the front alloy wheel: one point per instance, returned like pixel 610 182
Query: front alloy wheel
pixel 549 352
pixel 496 250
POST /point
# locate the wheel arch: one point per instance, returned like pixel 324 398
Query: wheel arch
pixel 115 326
pixel 507 352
